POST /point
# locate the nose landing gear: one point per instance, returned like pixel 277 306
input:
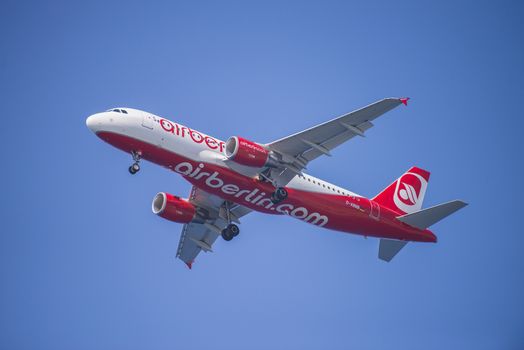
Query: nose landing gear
pixel 135 167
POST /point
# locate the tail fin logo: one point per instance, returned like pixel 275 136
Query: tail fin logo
pixel 408 192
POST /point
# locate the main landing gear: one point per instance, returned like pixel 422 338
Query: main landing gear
pixel 230 232
pixel 279 195
pixel 135 167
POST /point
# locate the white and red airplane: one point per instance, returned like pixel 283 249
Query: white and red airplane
pixel 232 178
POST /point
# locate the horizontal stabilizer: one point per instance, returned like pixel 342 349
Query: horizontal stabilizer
pixel 424 218
pixel 388 248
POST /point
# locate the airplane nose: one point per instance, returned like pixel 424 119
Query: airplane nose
pixel 93 122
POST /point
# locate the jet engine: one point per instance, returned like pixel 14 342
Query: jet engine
pixel 173 208
pixel 246 152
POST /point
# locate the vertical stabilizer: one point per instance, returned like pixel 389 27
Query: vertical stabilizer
pixel 406 194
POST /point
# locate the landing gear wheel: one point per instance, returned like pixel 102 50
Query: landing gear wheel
pixel 226 235
pixel 233 229
pixel 230 232
pixel 133 169
pixel 279 195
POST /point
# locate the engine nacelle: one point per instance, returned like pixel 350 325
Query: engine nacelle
pixel 245 152
pixel 173 208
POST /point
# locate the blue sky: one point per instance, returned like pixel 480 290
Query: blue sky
pixel 85 264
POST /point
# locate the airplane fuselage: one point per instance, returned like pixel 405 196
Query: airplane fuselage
pixel 200 159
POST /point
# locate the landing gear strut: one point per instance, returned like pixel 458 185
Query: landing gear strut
pixel 230 232
pixel 135 167
pixel 279 195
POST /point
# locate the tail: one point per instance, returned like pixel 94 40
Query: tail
pixel 405 197
pixel 406 194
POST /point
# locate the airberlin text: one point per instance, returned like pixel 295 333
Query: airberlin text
pixel 182 131
pixel 253 196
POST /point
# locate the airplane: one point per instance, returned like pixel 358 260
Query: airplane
pixel 233 178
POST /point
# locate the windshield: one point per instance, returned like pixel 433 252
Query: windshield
pixel 118 110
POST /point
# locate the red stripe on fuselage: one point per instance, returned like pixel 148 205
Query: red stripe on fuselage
pixel 336 212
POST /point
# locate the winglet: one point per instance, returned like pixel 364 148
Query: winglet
pixel 189 264
pixel 404 100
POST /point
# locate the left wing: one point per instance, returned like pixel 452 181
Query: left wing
pixel 196 237
pixel 297 150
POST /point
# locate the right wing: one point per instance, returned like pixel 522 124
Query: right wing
pixel 196 237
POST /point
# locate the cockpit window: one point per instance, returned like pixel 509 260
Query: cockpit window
pixel 117 110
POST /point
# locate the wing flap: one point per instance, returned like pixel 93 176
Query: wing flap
pixel 193 238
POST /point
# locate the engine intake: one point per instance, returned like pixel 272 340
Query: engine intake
pixel 246 152
pixel 173 208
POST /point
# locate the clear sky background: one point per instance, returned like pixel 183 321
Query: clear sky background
pixel 84 264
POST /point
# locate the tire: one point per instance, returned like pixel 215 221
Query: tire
pixel 131 170
pixel 281 193
pixel 226 235
pixel 233 230
pixel 135 167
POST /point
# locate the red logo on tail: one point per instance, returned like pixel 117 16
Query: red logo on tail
pixel 409 189
pixel 407 196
